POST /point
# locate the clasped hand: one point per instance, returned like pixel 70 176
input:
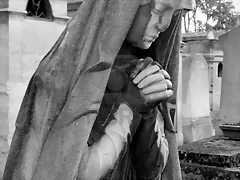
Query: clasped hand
pixel 154 84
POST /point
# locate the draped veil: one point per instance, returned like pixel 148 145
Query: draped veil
pixel 65 93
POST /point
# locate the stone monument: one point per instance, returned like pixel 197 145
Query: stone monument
pixel 230 96
pixel 195 99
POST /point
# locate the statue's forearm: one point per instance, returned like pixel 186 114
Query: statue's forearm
pixel 150 147
pixel 104 154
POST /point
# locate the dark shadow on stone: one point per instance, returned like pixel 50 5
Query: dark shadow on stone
pixel 39 8
pixel 220 67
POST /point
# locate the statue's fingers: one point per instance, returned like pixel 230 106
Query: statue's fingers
pixel 168 83
pixel 146 72
pixel 165 74
pixel 149 80
pixel 158 96
pixel 155 88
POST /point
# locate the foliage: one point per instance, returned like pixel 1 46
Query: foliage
pixel 221 12
pixel 225 16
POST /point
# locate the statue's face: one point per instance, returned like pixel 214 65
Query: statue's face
pixel 139 25
pixel 152 18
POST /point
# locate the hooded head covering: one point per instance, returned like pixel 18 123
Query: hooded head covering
pixel 64 95
pixel 161 15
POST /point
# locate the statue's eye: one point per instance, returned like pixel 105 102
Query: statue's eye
pixel 160 5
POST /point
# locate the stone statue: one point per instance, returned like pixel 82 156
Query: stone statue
pixel 97 105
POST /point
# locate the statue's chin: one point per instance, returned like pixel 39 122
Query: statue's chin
pixel 146 45
pixel 142 45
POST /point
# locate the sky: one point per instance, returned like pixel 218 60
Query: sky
pixel 237 4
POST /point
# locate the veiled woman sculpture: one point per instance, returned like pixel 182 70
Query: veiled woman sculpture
pixel 96 106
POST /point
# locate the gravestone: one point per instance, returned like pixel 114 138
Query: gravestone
pixel 195 99
pixel 209 47
pixel 230 95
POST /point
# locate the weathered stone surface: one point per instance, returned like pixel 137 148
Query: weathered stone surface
pixel 216 151
pixel 200 46
pixel 203 172
pixel 4 75
pixel 215 158
pixel 230 96
pixel 3 159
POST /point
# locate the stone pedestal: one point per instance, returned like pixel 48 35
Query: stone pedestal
pixel 196 129
pixel 213 158
pixel 195 99
pixel 230 96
